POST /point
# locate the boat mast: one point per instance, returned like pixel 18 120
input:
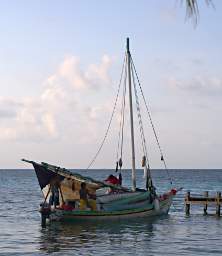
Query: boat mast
pixel 131 116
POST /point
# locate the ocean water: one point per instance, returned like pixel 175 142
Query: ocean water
pixel 175 234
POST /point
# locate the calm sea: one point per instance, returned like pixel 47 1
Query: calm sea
pixel 175 234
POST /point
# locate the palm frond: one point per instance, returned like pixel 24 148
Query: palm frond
pixel 192 9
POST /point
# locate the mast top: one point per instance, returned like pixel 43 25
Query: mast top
pixel 127 44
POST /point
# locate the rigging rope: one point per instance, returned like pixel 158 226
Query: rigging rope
pixel 153 128
pixel 140 119
pixel 123 120
pixel 111 118
pixel 145 159
pixel 121 128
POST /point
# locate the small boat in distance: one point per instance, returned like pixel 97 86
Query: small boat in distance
pixel 70 196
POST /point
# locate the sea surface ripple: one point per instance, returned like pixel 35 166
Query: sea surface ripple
pixel 175 234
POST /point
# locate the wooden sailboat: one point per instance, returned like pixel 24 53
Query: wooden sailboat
pixel 61 187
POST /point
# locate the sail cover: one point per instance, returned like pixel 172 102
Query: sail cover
pixel 46 173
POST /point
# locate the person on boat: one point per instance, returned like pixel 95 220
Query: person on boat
pixel 54 198
pixel 112 180
pixel 86 199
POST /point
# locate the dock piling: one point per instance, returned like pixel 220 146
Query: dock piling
pixel 187 200
pixel 205 200
pixel 218 204
pixel 206 203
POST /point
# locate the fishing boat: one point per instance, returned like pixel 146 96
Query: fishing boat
pixel 70 196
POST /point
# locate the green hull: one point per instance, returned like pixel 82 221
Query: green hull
pixel 76 215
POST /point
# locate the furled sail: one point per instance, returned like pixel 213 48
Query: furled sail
pixel 46 173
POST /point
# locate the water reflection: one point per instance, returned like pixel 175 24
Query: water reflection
pixel 105 236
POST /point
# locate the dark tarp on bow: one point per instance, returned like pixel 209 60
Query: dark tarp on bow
pixel 44 175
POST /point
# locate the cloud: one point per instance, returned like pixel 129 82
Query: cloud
pixel 63 109
pixel 198 84
pixel 7 133
pixel 94 76
pixel 9 107
pixel 97 73
pixel 70 70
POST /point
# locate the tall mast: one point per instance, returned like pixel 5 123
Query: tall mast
pixel 131 116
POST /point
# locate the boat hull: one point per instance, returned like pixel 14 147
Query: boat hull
pixel 149 211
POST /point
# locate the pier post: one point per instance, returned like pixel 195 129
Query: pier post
pixel 218 204
pixel 45 211
pixel 43 220
pixel 206 203
pixel 187 200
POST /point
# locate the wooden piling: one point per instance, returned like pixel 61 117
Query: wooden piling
pixel 187 200
pixel 205 200
pixel 218 204
pixel 45 211
pixel 206 203
pixel 43 220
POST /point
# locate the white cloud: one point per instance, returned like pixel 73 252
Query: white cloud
pixel 7 133
pixel 62 109
pixel 70 70
pixel 9 107
pixel 99 72
pixel 49 122
pixel 198 84
pixel 95 75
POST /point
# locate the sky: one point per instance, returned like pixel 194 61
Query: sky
pixel 59 73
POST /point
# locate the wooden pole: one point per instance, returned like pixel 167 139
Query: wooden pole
pixel 187 203
pixel 61 195
pixel 218 204
pixel 131 117
pixel 205 205
pixel 47 193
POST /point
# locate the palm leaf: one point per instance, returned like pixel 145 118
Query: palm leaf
pixel 192 10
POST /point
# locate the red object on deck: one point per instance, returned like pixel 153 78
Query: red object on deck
pixel 113 180
pixel 164 196
pixel 173 191
pixel 67 207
